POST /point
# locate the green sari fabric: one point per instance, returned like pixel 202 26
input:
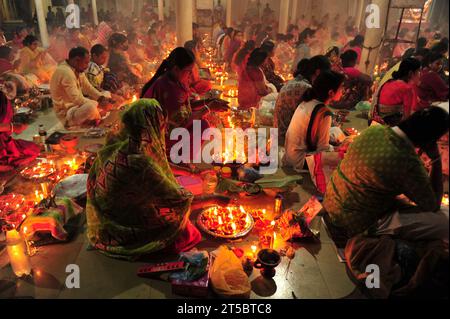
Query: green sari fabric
pixel 135 205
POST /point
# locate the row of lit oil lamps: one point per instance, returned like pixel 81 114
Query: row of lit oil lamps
pixel 15 208
pixel 18 207
pixel 269 237
pixel 233 221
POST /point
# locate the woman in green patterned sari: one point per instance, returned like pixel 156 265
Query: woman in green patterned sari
pixel 135 205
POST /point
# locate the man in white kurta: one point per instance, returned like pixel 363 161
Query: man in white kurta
pixel 75 100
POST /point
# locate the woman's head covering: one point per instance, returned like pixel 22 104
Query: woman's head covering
pixel 143 126
pixel 135 206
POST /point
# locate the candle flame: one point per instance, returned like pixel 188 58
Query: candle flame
pixel 445 200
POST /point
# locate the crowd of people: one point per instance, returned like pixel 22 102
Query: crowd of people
pixel 90 69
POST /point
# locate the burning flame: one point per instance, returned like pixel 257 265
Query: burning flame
pixel 228 221
pixel 445 200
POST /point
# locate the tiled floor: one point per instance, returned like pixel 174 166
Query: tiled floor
pixel 315 271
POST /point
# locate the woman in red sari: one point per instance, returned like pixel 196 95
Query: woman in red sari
pixel 432 87
pixel 397 99
pixel 235 45
pixel 252 82
pixel 13 153
pixel 240 59
pixel 170 86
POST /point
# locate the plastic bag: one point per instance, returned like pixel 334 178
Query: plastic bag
pixel 228 278
pixel 198 265
pixel 337 136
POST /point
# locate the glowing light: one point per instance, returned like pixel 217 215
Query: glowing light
pixel 445 200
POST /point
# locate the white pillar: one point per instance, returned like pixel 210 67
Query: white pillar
pixel 229 13
pixel 284 16
pixel 94 11
pixel 183 8
pixel 308 10
pixel 360 13
pixel 373 38
pixel 42 23
pixel 294 11
pixel 167 7
pixel 161 10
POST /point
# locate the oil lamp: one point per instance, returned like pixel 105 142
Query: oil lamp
pixel 17 252
pixel 254 249
pixel 445 200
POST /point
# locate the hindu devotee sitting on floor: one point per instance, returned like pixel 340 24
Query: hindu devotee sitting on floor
pixel 333 56
pixel 269 66
pixel 137 54
pixel 253 85
pixel 397 98
pixel 240 59
pixel 291 95
pixel 234 45
pixel 13 153
pixel 309 130
pixel 284 52
pixel 303 49
pixel 7 59
pixel 96 72
pixel 101 77
pixel 68 86
pixel 35 60
pixel 119 62
pixel 135 205
pixel 170 86
pixel 431 87
pixel 383 164
pixel 357 84
pixel 198 86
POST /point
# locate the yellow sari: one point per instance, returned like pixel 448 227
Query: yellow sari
pixel 34 62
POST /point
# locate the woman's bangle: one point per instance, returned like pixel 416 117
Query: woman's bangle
pixel 207 108
pixel 12 127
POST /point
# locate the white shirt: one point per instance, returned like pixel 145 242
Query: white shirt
pixel 296 145
pixel 68 89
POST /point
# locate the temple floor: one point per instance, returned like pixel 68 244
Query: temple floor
pixel 315 272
